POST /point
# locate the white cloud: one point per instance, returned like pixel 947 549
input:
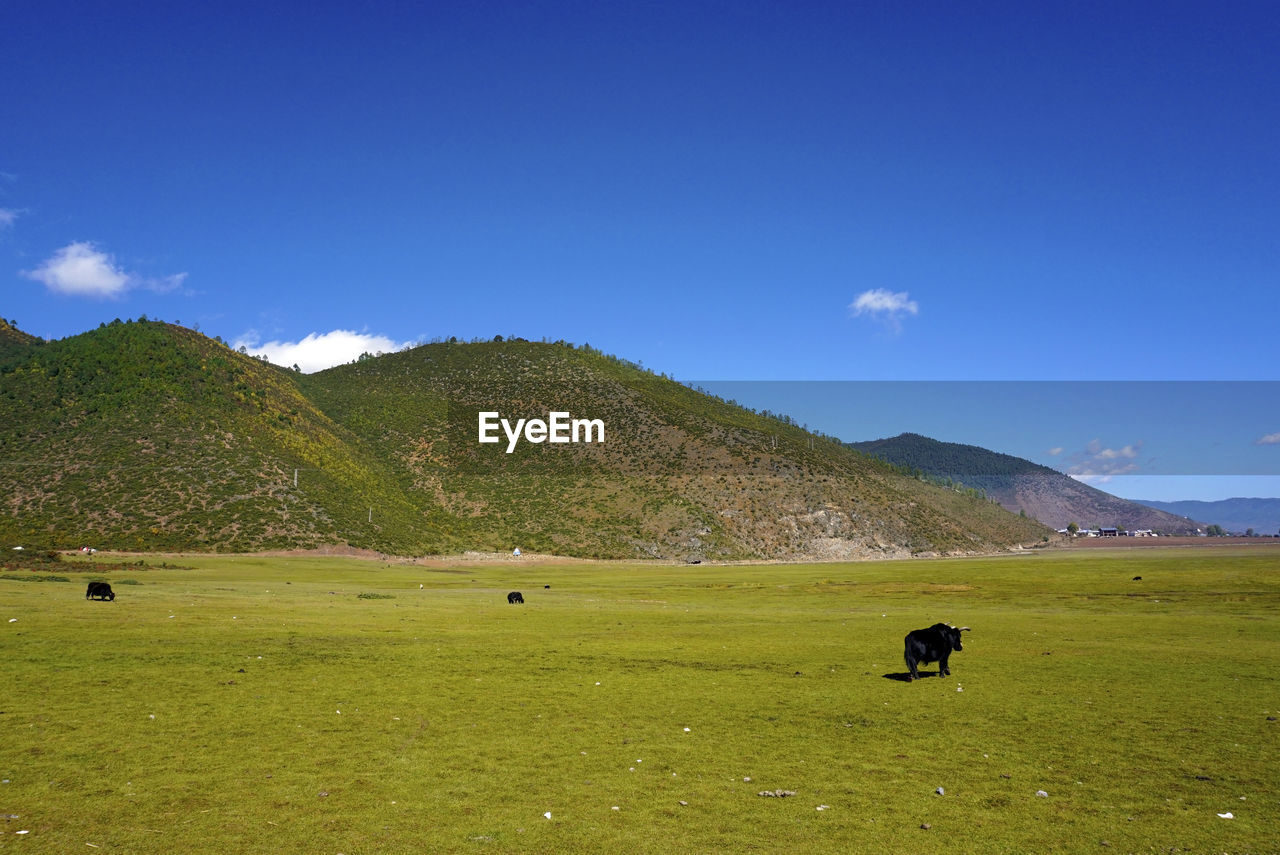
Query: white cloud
pixel 165 284
pixel 1054 452
pixel 319 351
pixel 7 217
pixel 1098 463
pixel 1128 452
pixel 885 306
pixel 1269 439
pixel 80 269
pixel 1091 480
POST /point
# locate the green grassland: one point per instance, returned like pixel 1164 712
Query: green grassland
pixel 326 705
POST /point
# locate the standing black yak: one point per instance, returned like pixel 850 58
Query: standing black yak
pixel 932 645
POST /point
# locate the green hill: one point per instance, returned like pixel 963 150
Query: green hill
pixel 11 336
pixel 148 436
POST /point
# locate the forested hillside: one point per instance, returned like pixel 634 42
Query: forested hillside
pixel 144 435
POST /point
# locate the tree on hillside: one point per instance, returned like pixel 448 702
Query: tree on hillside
pixel 1073 528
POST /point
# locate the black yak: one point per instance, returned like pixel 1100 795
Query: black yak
pixel 99 591
pixel 931 645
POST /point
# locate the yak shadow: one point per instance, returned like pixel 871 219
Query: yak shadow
pixel 905 677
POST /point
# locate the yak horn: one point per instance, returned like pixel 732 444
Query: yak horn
pixel 964 629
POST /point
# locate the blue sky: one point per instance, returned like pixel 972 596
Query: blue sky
pixel 743 190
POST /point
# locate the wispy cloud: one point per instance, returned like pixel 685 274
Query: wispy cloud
pixel 884 306
pixel 319 351
pixel 1054 452
pixel 7 217
pixel 80 269
pixel 1098 463
pixel 1269 439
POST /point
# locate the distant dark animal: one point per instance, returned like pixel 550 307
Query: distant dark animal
pixel 99 591
pixel 546 587
pixel 932 645
pixel 515 597
pixel 1137 578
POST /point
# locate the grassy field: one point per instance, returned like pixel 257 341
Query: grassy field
pixel 351 706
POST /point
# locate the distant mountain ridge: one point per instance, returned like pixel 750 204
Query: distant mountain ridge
pixel 1022 486
pixel 150 436
pixel 1235 515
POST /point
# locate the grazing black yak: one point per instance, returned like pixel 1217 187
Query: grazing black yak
pixel 99 591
